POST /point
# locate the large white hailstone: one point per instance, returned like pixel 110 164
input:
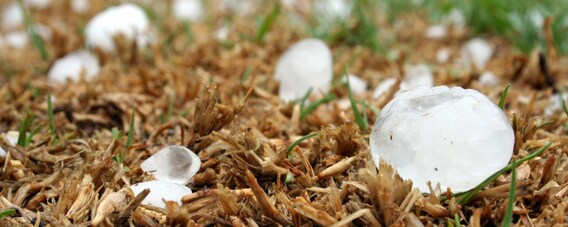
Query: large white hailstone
pixel 127 19
pixel 357 84
pixel 161 190
pixel 437 31
pixel 333 9
pixel 12 16
pixel 12 137
pixel 383 87
pixel 453 136
pixel 80 6
pixel 488 79
pixel 188 10
pixel 306 64
pixel 175 164
pixel 72 66
pixel 38 4
pixel 477 51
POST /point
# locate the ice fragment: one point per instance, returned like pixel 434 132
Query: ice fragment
pixel 175 164
pixel 161 190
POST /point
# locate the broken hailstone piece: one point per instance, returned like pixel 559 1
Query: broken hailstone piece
pixel 306 64
pixel 453 136
pixel 126 19
pixel 72 65
pixel 175 164
pixel 12 137
pixel 161 190
pixel 188 10
pixel 476 51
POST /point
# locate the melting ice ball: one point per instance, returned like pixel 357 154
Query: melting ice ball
pixel 127 19
pixel 161 190
pixel 72 65
pixel 175 164
pixel 476 51
pixel 306 64
pixel 453 136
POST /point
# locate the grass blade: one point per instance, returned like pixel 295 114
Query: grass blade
pixel 50 117
pixel 507 220
pixel 304 112
pixel 563 103
pixel 466 197
pixel 362 122
pixel 130 131
pixel 7 212
pixel 503 95
pixel 23 128
pixel 457 220
pixel 267 23
pixel 32 33
pixel 297 142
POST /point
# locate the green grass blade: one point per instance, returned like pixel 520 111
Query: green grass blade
pixel 187 31
pixel 7 212
pixel 32 33
pixel 457 220
pixel 267 23
pixel 297 142
pixel 503 95
pixel 361 121
pixel 130 131
pixel 50 117
pixel 304 112
pixel 563 103
pixel 507 220
pixel 246 74
pixel 466 197
pixel 23 129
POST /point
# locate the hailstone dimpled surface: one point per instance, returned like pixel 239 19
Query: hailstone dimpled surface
pixel 175 164
pixel 306 64
pixel 453 136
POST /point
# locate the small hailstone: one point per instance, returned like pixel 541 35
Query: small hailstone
pixel 438 31
pixel 175 164
pixel 80 6
pixel 537 18
pixel 127 19
pixel 453 136
pixel 12 137
pixel 383 87
pixel 555 104
pixel 333 9
pixel 488 79
pixel 188 10
pixel 416 76
pixel 16 39
pixel 306 64
pixel 477 51
pixel 161 190
pixel 72 65
pixel 222 33
pixel 38 4
pixel 443 55
pixel 12 16
pixel 240 7
pixel 357 84
pixel 456 17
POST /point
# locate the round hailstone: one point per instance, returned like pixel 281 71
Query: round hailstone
pixel 80 6
pixel 438 31
pixel 450 136
pixel 12 137
pixel 358 85
pixel 443 55
pixel 126 19
pixel 306 64
pixel 17 40
pixel 383 87
pixel 161 190
pixel 175 164
pixel 417 76
pixel 72 65
pixel 476 51
pixel 488 79
pixel 555 103
pixel 38 4
pixel 12 16
pixel 188 10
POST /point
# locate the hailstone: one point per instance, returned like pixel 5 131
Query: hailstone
pixel 175 164
pixel 333 9
pixel 358 85
pixel 12 137
pixel 452 136
pixel 306 64
pixel 12 16
pixel 126 19
pixel 438 31
pixel 72 65
pixel 188 10
pixel 488 79
pixel 476 51
pixel 161 190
